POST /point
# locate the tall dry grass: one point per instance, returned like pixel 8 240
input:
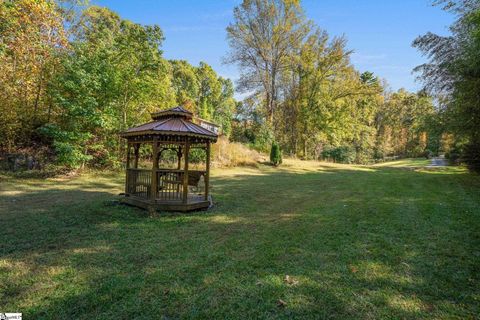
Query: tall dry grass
pixel 232 154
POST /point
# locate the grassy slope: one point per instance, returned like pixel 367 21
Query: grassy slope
pixel 388 241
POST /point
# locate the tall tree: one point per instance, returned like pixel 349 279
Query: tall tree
pixel 262 37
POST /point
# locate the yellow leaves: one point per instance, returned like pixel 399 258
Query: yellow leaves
pixel 31 31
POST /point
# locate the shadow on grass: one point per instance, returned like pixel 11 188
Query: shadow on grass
pixel 366 243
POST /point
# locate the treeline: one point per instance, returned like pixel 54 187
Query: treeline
pixel 305 94
pixel 72 77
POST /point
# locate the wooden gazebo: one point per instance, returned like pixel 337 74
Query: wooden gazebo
pixel 170 189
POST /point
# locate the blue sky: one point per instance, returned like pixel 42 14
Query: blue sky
pixel 379 31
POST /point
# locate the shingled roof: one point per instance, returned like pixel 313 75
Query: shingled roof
pixel 174 121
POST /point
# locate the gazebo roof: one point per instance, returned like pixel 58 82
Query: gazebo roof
pixel 178 111
pixel 174 121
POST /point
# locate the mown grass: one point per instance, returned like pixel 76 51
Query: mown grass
pixel 380 242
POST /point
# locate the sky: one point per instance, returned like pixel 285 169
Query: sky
pixel 379 32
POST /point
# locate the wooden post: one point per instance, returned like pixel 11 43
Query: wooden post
pixel 185 172
pixel 153 186
pixel 179 157
pixel 128 155
pixel 207 173
pixel 127 166
pixel 136 149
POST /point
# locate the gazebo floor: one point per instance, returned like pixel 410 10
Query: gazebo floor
pixel 194 202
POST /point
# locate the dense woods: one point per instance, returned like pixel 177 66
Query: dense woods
pixel 74 76
pixel 306 94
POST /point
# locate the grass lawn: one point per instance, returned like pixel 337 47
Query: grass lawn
pixel 390 241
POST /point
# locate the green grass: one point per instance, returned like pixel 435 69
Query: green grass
pixel 381 242
pixel 405 163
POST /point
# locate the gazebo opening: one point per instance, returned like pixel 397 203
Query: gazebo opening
pixel 168 163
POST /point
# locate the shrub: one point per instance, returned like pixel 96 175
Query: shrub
pixel 428 154
pixel 275 154
pixel 455 153
pixel 69 146
pixel 70 155
pixel 342 154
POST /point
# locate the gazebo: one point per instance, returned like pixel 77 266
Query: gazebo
pixel 171 189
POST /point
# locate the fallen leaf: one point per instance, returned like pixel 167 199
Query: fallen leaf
pixel 290 280
pixel 281 303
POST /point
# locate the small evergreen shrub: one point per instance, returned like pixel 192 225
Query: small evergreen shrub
pixel 275 154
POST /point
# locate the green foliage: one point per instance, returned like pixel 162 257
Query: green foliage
pixel 275 154
pixel 316 98
pixel 407 124
pixel 342 154
pixel 70 147
pixel 91 74
pixel 31 35
pixel 110 76
pixel 453 73
pixel 197 156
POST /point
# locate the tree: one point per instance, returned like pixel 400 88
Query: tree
pixel 402 124
pixel 32 34
pixel 112 79
pixel 261 38
pixel 275 154
pixel 185 84
pixel 453 73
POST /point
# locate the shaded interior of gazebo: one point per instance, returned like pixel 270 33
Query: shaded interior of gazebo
pixel 162 187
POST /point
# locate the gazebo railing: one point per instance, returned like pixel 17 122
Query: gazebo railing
pixel 169 183
pixel 139 182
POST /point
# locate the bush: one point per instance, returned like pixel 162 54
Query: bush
pixel 69 146
pixel 70 155
pixel 275 154
pixel 455 153
pixel 428 154
pixel 342 154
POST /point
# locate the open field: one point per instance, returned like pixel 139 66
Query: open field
pixel 388 241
